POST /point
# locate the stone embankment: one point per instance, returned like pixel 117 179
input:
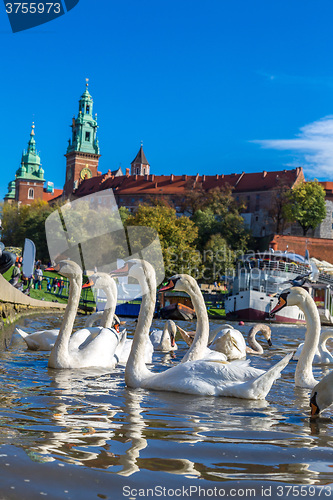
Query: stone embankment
pixel 14 303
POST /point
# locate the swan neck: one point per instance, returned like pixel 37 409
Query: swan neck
pixel 303 373
pixel 200 340
pixel 136 369
pixel 253 343
pixel 60 348
pixel 110 308
pixel 165 339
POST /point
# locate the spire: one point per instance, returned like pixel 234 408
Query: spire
pixel 140 157
pixel 140 165
pixel 84 127
pixel 32 142
pixel 30 163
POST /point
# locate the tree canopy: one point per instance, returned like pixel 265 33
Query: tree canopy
pixel 306 205
pixel 177 236
pixel 26 221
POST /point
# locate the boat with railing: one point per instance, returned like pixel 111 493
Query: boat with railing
pixel 260 277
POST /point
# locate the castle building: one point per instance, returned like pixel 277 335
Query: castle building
pixel 258 192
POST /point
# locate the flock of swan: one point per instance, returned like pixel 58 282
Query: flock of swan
pixel 217 370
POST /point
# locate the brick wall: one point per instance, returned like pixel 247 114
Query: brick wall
pixel 320 248
pixel 28 191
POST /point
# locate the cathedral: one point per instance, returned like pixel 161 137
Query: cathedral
pixel 82 159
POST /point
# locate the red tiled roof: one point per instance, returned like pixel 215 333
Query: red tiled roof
pixel 177 184
pixel 49 196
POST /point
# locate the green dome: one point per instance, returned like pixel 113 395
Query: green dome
pixel 21 171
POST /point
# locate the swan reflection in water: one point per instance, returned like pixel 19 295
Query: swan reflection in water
pixel 134 429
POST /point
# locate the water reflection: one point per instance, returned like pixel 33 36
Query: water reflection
pixel 89 418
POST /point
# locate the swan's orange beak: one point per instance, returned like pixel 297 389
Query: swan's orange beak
pixel 313 405
pixel 122 271
pixel 116 327
pixel 169 286
pixel 314 410
pixel 88 285
pixel 172 338
pixel 282 302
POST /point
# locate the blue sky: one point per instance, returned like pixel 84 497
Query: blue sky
pixel 209 86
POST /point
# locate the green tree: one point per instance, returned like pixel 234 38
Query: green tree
pixel 280 198
pixel 26 221
pixel 306 205
pixel 218 258
pixel 177 236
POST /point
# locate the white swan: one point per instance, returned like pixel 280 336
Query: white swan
pixel 164 340
pixel 202 377
pixel 189 336
pixel 98 351
pixel 254 347
pixel 322 355
pixel 322 395
pixel 230 341
pixel 44 340
pixel 206 353
pixel 297 296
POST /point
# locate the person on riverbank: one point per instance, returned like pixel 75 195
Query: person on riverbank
pixel 16 274
pixel 38 277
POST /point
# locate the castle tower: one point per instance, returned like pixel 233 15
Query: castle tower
pixel 83 149
pixel 29 178
pixel 140 165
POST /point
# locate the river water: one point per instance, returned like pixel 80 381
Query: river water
pixel 81 434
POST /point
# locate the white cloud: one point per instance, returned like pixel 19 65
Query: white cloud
pixel 312 147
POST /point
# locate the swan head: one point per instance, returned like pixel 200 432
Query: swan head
pixel 181 283
pixel 172 329
pixel 295 296
pixel 264 329
pixel 69 269
pixel 319 400
pixel 321 395
pixel 103 281
pixel 137 269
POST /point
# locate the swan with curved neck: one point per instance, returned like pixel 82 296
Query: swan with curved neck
pixel 195 376
pixel 99 316
pixel 230 341
pixel 164 340
pixel 98 351
pixel 254 347
pixel 322 355
pixel 44 340
pixel 297 296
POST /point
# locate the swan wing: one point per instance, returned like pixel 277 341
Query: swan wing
pixel 217 378
pixel 97 351
pixel 155 338
pixel 42 340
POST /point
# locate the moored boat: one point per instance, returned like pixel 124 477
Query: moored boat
pixel 259 277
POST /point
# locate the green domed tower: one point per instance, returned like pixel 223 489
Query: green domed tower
pixel 83 149
pixel 29 178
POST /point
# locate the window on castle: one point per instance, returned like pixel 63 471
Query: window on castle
pixel 31 194
pixel 87 109
pixel 87 136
